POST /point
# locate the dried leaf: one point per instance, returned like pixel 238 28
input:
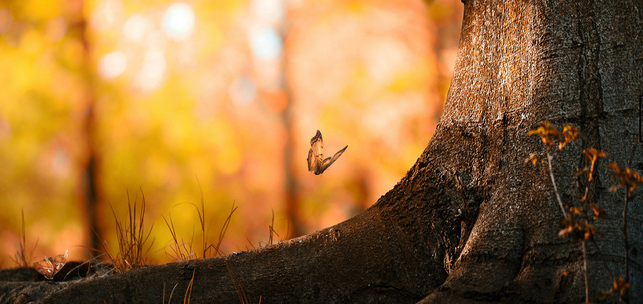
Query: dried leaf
pixel 580 172
pixel 569 134
pixel 533 158
pixel 626 177
pixel 598 211
pixel 575 210
pixel 592 155
pixel 546 132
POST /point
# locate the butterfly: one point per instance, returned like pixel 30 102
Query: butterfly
pixel 49 268
pixel 316 162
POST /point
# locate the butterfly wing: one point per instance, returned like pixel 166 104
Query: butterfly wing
pixel 315 153
pixel 45 268
pixel 49 268
pixel 329 161
pixel 317 144
pixel 311 160
pixel 59 261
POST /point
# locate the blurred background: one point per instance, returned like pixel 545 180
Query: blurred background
pixel 103 101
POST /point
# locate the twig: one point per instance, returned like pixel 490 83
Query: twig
pixel 627 245
pixel 551 174
pixel 585 271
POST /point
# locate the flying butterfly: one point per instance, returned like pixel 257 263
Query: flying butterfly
pixel 316 162
pixel 49 268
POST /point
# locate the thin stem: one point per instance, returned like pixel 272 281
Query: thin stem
pixel 627 245
pixel 585 195
pixel 551 174
pixel 585 272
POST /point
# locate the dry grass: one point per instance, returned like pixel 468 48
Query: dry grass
pixel 131 239
pixel 188 291
pixel 271 228
pixel 21 258
pixel 171 293
pixel 182 250
pixel 222 232
pixel 273 236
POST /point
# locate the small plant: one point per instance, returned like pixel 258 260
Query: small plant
pixel 131 239
pixel 578 221
pixel 182 250
pixel 21 258
pixel 222 232
pixel 629 179
pixel 273 236
pixel 272 232
pixel 548 134
pixel 271 228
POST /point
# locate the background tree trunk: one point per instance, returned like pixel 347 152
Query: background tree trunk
pixel 90 182
pixel 471 221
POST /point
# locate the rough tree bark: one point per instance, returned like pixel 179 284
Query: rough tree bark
pixel 470 221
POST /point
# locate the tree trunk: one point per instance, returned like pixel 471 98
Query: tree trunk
pixel 90 183
pixel 470 221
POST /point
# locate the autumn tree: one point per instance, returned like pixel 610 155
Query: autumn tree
pixel 471 221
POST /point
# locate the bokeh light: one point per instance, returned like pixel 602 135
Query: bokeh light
pixel 212 100
pixel 137 27
pixel 152 70
pixel 266 43
pixel 107 15
pixel 242 90
pixel 179 20
pixel 112 65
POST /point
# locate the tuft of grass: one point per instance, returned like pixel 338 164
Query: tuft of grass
pixel 211 250
pixel 224 228
pixel 273 236
pixel 204 231
pixel 272 232
pixel 183 251
pixel 271 228
pixel 21 258
pixel 131 238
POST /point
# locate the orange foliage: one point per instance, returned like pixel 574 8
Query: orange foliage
pixel 178 94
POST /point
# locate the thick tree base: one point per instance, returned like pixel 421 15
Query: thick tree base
pixel 471 222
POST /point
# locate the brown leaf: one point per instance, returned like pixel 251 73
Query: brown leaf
pixel 598 211
pixel 533 158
